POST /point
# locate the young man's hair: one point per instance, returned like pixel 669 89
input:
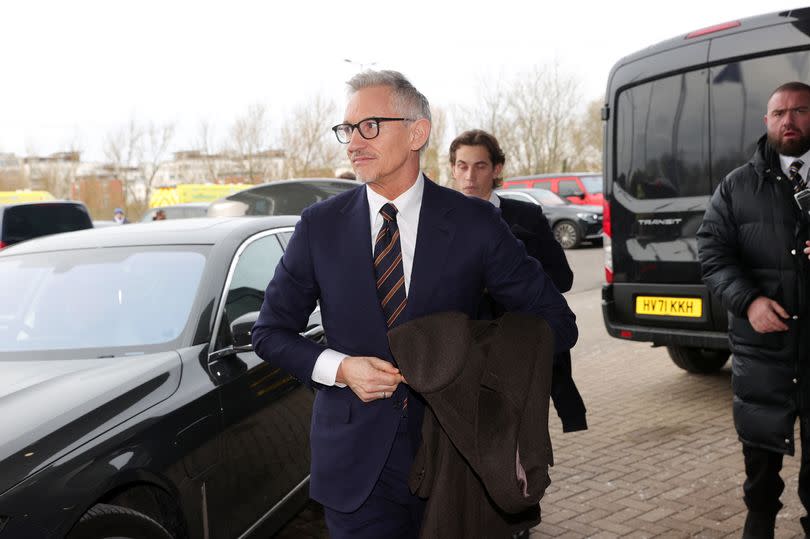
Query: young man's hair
pixel 479 137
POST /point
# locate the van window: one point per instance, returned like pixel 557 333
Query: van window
pixel 739 95
pixel 662 137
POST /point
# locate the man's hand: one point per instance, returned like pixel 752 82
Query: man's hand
pixel 370 378
pixel 766 315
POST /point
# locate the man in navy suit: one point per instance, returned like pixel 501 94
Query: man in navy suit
pixel 444 250
pixel 477 162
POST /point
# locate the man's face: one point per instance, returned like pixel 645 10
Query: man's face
pixel 473 172
pixel 382 157
pixel 788 122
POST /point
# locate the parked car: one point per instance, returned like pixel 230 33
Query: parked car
pixel 570 223
pixel 680 115
pixel 132 402
pixel 177 211
pixel 577 187
pixel 283 197
pixel 26 220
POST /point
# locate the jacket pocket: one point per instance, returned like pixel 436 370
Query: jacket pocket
pixel 742 333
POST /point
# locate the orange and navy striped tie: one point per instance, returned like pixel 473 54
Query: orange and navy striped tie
pixel 388 267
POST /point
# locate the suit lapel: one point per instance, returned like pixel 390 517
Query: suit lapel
pixel 433 238
pixel 356 252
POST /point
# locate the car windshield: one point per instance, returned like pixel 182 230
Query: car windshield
pixel 120 300
pixel 592 183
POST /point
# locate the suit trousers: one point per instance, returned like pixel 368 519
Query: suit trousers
pixel 390 511
pixel 763 485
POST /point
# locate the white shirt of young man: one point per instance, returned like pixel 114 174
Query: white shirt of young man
pixel 786 161
pixel 409 205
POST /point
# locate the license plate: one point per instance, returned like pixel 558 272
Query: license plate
pixel 663 306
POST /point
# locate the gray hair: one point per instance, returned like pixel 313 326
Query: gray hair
pixel 408 101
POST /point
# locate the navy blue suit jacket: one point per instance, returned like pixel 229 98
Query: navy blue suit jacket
pixel 462 248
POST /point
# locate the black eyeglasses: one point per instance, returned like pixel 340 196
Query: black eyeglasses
pixel 369 128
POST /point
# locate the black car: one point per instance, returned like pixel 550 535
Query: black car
pixel 680 115
pixel 282 197
pixel 571 223
pixel 132 404
pixel 25 220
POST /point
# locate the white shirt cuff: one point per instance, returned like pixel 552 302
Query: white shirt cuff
pixel 326 367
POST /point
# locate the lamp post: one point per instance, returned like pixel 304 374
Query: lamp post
pixel 361 64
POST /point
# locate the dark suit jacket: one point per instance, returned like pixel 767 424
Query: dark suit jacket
pixel 488 409
pixel 462 247
pixel 530 226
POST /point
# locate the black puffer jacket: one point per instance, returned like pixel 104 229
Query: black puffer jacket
pixel 750 244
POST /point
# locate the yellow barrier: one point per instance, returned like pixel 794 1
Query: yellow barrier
pixel 12 197
pixel 192 192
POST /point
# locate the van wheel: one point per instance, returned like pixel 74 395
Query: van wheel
pixel 698 360
pixel 104 521
pixel 567 234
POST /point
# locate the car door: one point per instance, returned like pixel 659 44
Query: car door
pixel 569 189
pixel 266 412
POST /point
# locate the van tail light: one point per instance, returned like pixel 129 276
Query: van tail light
pixel 713 29
pixel 606 232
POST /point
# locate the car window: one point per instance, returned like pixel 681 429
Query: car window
pixel 34 220
pixel 567 188
pixel 254 269
pixel 593 184
pixel 542 185
pixel 112 298
pixel 287 198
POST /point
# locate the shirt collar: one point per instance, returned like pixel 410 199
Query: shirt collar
pixel 496 201
pixel 786 160
pixel 407 203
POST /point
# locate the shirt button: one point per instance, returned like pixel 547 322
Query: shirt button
pixel 795 317
pixel 795 381
pixel 787 440
pixel 793 251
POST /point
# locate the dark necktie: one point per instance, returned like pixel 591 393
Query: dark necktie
pixel 795 178
pixel 388 267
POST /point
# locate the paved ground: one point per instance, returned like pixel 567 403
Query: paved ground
pixel 661 458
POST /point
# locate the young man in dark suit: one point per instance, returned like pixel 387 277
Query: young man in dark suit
pixel 477 162
pixel 397 248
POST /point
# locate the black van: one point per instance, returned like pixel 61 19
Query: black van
pixel 26 220
pixel 680 115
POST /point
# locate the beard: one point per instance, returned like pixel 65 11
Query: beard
pixel 792 147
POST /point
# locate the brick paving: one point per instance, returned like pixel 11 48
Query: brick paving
pixel 660 459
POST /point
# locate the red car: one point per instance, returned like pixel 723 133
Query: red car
pixel 577 187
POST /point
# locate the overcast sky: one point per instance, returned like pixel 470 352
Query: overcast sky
pixel 73 71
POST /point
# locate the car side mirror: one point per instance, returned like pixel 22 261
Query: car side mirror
pixel 241 329
pixel 580 194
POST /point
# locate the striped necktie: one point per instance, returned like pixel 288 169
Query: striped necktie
pixel 388 267
pixel 796 179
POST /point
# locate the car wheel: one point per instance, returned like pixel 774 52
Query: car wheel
pixel 104 521
pixel 567 234
pixel 698 360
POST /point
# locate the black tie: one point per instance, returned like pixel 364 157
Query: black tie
pixel 799 183
pixel 388 267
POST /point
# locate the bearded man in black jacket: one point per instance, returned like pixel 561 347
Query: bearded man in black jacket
pixel 750 245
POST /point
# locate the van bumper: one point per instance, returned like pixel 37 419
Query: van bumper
pixel 658 336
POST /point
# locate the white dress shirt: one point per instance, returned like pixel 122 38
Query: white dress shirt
pixel 494 199
pixel 409 205
pixel 786 160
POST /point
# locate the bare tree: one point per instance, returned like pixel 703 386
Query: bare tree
pixel 532 115
pixel 205 143
pixel 586 138
pixel 309 146
pixel 434 161
pixel 135 153
pixel 250 142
